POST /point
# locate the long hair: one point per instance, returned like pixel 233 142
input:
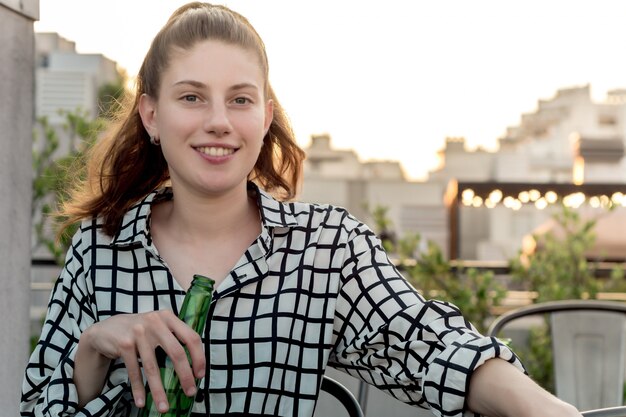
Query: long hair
pixel 123 166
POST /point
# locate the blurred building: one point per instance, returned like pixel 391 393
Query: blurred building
pixel 568 139
pixel 67 81
pixel 339 178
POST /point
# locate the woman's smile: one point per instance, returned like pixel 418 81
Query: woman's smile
pixel 215 150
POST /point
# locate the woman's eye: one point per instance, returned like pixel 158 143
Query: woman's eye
pixel 241 100
pixel 190 98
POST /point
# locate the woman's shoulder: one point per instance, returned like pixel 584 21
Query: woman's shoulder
pixel 133 224
pixel 317 208
pixel 91 230
pixel 308 214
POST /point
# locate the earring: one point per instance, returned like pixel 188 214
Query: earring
pixel 155 140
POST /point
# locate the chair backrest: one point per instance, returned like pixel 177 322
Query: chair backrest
pixel 343 395
pixel 588 344
pixel 606 412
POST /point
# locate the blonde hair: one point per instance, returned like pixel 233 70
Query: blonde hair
pixel 123 167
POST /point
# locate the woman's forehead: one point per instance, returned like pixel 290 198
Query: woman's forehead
pixel 210 61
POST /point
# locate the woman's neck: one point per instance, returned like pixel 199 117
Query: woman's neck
pixel 195 217
pixel 202 235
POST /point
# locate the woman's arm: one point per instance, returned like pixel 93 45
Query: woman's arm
pixel 499 389
pixel 424 352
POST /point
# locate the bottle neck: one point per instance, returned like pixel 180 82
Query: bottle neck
pixel 200 281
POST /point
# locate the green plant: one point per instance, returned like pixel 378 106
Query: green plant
pixel 54 167
pixel 556 270
pixel 53 174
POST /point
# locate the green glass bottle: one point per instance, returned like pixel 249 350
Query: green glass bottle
pixel 194 312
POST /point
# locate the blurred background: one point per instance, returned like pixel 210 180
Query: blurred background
pixel 469 135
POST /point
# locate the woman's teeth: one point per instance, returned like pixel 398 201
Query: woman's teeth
pixel 215 151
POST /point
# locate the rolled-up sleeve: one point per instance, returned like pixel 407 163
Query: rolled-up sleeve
pixel 422 352
pixel 48 388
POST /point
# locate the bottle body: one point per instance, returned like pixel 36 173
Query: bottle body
pixel 194 312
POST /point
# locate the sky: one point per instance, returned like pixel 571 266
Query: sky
pixel 392 79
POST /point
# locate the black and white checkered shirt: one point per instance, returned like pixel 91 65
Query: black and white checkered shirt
pixel 315 288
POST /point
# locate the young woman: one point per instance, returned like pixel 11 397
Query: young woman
pixel 193 180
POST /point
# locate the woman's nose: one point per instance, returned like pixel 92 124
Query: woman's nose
pixel 216 120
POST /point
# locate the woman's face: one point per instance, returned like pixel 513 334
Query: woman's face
pixel 211 116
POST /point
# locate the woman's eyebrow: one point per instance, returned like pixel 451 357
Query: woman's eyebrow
pixel 235 87
pixel 192 83
pixel 243 86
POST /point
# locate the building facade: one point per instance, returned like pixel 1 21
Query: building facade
pixel 68 82
pixel 339 178
pixel 566 139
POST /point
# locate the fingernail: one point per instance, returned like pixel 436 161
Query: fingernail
pixel 163 407
pixel 139 402
pixel 191 391
pixel 201 373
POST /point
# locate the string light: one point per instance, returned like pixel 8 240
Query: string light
pixel 541 203
pixel 495 196
pixel 509 202
pixel 552 197
pixel 594 201
pixel 477 201
pixel 575 200
pixel 534 195
pixel 524 197
pixel 467 196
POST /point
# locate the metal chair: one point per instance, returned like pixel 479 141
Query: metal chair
pixel 343 395
pixel 588 344
pixel 606 412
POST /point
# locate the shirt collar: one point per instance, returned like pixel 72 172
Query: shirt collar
pixel 135 226
pixel 273 213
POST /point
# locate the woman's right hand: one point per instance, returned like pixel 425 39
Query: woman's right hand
pixel 134 338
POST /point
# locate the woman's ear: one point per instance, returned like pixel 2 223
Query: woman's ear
pixel 147 112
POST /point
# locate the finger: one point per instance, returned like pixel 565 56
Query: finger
pixel 198 359
pixel 128 352
pixel 152 373
pixel 193 343
pixel 178 356
pixel 135 378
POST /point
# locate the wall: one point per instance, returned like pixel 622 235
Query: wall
pixel 16 119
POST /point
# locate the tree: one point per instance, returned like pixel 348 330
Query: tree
pixel 559 269
pixel 53 174
pixel 55 168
